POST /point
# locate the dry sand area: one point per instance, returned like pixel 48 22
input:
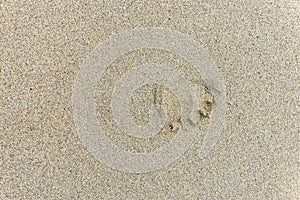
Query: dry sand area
pixel 149 99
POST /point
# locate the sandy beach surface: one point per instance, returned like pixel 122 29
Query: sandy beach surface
pixel 50 148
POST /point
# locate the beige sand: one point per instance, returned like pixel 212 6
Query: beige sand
pixel 256 48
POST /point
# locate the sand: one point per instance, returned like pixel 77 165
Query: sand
pixel 255 47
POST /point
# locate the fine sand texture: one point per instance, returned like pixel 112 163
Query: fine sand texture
pixel 149 99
